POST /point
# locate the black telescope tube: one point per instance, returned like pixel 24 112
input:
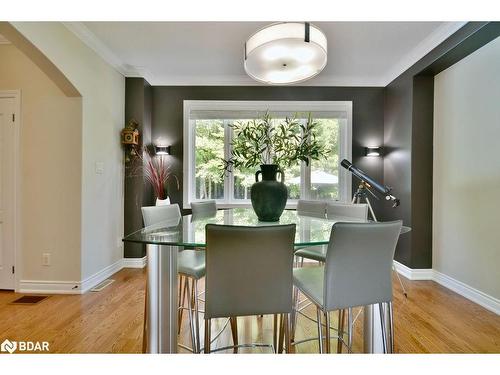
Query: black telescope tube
pixel 363 176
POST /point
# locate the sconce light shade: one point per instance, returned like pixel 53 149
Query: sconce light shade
pixel 373 151
pixel 162 150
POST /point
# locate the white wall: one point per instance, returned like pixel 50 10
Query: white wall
pixel 50 153
pixel 103 99
pixel 466 200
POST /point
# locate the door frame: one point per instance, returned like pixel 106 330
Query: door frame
pixel 16 95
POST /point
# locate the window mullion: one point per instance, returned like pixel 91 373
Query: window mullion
pixel 305 177
pixel 305 181
pixel 228 177
pixel 192 161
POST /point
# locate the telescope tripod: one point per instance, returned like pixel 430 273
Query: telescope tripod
pixel 361 194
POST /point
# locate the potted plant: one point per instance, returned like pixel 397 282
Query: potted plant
pixel 157 172
pixel 272 145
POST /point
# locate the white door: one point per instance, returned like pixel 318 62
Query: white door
pixel 7 193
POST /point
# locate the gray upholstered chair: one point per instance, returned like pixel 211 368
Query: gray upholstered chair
pixel 311 208
pixel 314 209
pixel 356 211
pixel 333 209
pixel 249 272
pixel 190 266
pixel 357 272
pixel 204 208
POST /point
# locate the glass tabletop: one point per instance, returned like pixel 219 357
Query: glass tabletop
pixel 189 230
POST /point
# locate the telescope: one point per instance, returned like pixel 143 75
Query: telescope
pixel 370 182
pixel 366 183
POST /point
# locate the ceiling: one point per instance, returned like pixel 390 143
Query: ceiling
pixel 211 53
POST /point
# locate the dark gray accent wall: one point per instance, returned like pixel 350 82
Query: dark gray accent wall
pixel 408 138
pixel 368 117
pixel 138 106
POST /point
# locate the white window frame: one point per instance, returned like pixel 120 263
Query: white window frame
pixel 345 146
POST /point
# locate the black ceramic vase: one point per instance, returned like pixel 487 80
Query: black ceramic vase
pixel 269 195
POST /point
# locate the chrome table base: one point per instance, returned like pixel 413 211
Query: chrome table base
pixel 378 334
pixel 162 299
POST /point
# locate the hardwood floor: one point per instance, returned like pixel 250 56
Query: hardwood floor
pixel 432 320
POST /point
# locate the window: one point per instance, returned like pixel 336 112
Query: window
pixel 207 140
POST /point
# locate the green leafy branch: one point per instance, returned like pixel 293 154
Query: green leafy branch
pixel 267 141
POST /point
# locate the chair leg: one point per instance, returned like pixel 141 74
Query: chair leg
pixel 189 295
pixel 320 330
pixel 207 335
pixel 182 291
pixel 275 333
pixel 281 334
pixel 349 330
pixel 382 324
pixel 196 316
pixel 327 331
pixel 287 333
pixel 400 281
pixel 391 326
pixel 234 332
pixel 295 308
pixel 144 326
pixel 340 331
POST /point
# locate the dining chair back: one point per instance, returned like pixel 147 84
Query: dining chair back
pixel 248 270
pixel 156 214
pixel 204 208
pixel 357 211
pixel 359 263
pixel 311 208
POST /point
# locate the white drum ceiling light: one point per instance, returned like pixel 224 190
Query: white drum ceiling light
pixel 283 53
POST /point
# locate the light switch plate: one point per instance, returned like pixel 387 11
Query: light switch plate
pixel 99 167
pixel 46 259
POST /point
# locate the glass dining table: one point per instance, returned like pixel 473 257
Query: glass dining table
pixel 165 239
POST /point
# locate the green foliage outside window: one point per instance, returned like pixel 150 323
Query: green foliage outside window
pixel 286 142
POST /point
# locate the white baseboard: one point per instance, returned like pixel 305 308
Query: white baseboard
pixel 135 262
pixel 48 287
pixel 413 274
pixel 69 287
pixel 100 276
pixel 488 302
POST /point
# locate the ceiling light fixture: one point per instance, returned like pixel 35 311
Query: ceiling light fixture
pixel 284 53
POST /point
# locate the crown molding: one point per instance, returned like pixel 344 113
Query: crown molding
pixel 3 40
pixel 244 80
pixel 423 48
pixel 93 42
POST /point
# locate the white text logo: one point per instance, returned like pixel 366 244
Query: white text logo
pixel 24 346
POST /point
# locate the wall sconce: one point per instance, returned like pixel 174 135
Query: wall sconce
pixel 162 150
pixel 373 151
